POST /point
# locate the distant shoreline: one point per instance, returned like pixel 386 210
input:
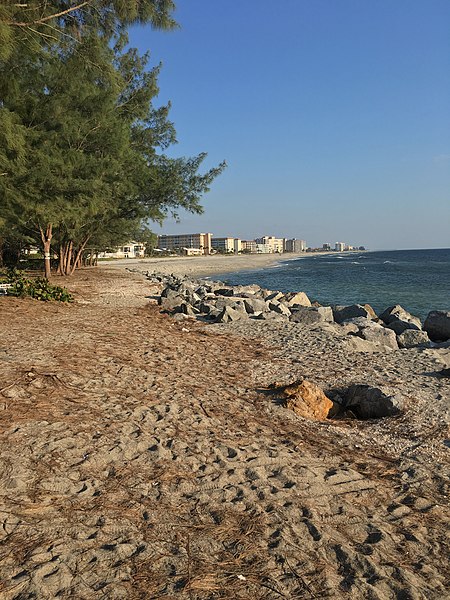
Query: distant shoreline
pixel 205 266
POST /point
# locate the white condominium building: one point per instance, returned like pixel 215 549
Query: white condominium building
pixel 227 244
pixel 274 244
pixel 186 241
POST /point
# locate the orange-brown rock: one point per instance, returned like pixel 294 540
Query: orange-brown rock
pixel 307 400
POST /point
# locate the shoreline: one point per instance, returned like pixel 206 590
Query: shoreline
pixel 207 266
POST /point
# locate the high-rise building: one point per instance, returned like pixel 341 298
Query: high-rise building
pixel 295 245
pixel 339 246
pixel 185 241
pixel 226 244
pixel 274 244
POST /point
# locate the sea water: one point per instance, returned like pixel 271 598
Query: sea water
pixel 419 280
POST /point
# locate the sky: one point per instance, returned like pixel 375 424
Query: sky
pixel 333 117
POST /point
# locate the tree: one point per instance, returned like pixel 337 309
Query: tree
pixel 35 22
pixel 85 154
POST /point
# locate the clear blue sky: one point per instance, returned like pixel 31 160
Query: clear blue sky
pixel 333 117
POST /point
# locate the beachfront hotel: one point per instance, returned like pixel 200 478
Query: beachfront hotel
pixel 189 243
pixel 228 245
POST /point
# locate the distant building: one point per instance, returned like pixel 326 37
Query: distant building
pixel 276 245
pixel 339 246
pixel 129 250
pixel 227 244
pixel 326 246
pixel 295 245
pixel 249 246
pixel 186 242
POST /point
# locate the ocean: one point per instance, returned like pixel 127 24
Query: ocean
pixel 419 280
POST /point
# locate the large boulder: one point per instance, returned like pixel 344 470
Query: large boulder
pixel 353 343
pixel 254 305
pixel 271 296
pixel 296 299
pixel 437 325
pixel 306 399
pixel 345 313
pixel 411 338
pixel 398 319
pixel 279 307
pixel 379 335
pixel 228 314
pixel 310 315
pixel 368 402
pixel 172 304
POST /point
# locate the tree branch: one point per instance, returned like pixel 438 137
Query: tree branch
pixel 50 17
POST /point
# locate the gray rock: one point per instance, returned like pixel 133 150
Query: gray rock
pixel 253 305
pixel 280 308
pixel 354 343
pixel 345 313
pixel 229 291
pixel 228 314
pixel 207 307
pixel 398 319
pixel 172 304
pixel 309 315
pixel 271 296
pixel 271 316
pixel 379 335
pixel 189 310
pixel 349 328
pixel 235 303
pixel 437 325
pixel 296 299
pixel 371 402
pixel 412 337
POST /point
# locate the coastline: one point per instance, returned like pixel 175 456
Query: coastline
pixel 205 266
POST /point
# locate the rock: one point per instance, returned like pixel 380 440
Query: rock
pixel 253 305
pixel 229 291
pixel 296 299
pixel 437 325
pixel 273 296
pixel 371 402
pixel 309 315
pixel 279 308
pixel 349 328
pixel 271 316
pixel 236 303
pixel 411 338
pixel 345 313
pixel 358 322
pixel 307 400
pixel 398 319
pixel 228 314
pixel 380 335
pixel 189 310
pixel 354 343
pixel 174 303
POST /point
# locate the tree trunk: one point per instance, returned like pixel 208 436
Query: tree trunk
pixel 78 256
pixel 46 238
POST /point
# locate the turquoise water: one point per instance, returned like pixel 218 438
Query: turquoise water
pixel 419 280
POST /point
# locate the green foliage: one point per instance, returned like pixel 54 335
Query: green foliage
pixel 38 288
pixel 82 146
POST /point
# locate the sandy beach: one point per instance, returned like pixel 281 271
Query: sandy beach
pixel 201 266
pixel 145 457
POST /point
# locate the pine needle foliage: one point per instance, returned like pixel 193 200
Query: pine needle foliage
pixel 82 146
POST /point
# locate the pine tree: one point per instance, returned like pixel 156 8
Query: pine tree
pixel 83 146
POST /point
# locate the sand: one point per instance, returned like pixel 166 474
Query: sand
pixel 200 266
pixel 143 457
